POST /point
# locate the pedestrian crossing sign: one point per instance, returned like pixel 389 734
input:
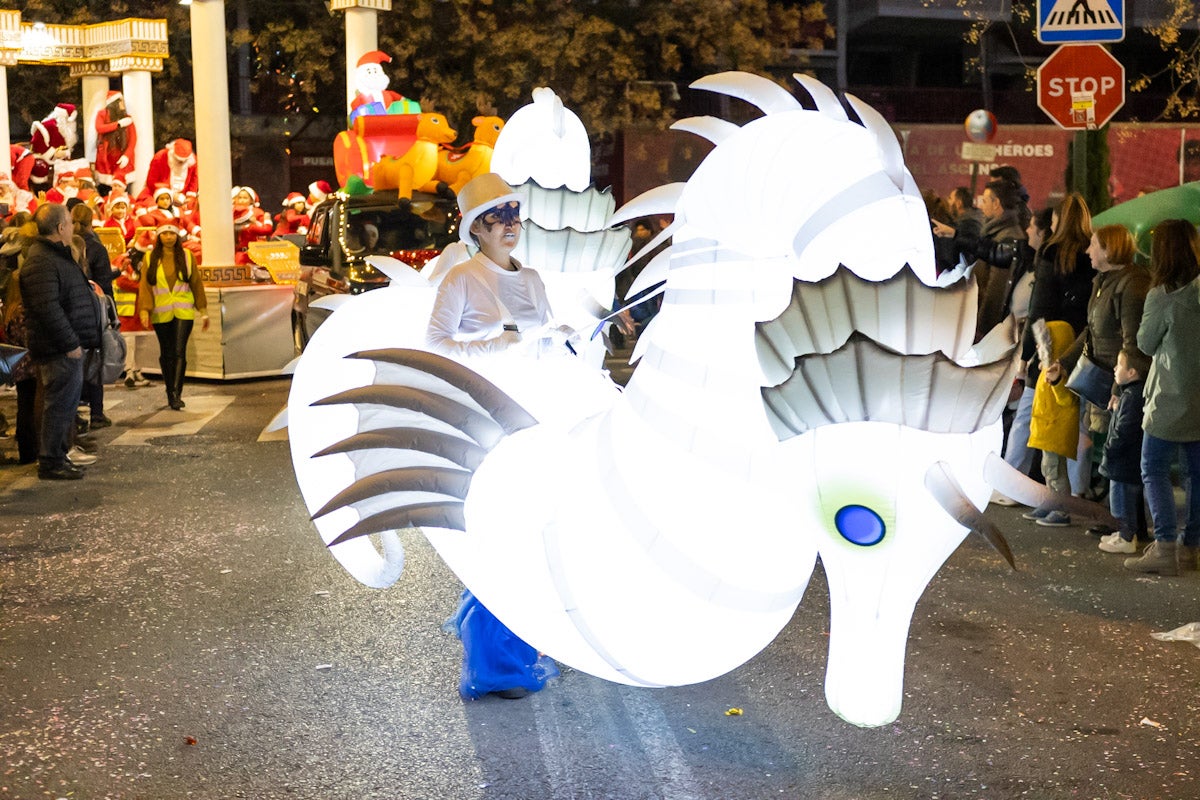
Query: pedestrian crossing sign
pixel 1080 21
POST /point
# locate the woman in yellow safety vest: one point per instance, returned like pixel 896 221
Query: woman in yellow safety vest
pixel 169 296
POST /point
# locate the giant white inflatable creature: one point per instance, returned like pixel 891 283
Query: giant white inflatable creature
pixel 809 386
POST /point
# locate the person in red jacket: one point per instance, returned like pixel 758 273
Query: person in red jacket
pixel 250 223
pixel 16 198
pixel 294 217
pixel 51 140
pixel 21 159
pixel 163 212
pixel 117 214
pixel 116 138
pixel 174 166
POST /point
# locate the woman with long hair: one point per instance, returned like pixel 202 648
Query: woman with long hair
pixel 1016 444
pixel 169 297
pixel 1062 286
pixel 1172 411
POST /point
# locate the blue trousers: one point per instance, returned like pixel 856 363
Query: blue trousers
pixel 1157 457
pixel 62 381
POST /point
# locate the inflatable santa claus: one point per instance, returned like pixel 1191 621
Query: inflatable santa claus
pixel 371 93
pixel 174 167
pixel 116 138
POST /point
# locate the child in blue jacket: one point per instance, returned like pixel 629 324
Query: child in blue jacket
pixel 1122 463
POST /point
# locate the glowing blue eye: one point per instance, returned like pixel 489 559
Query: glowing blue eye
pixel 859 525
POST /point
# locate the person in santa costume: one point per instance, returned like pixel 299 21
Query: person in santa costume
pixel 116 138
pixel 163 212
pixel 13 196
pixel 72 183
pixel 294 217
pixel 21 158
pixel 118 214
pixel 51 140
pixel 317 191
pixel 371 94
pixel 250 223
pixel 174 166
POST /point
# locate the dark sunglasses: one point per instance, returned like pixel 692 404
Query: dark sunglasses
pixel 506 214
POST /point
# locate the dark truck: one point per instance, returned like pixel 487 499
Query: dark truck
pixel 343 231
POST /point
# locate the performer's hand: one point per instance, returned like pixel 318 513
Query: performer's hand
pixel 204 322
pixel 144 317
pixel 123 162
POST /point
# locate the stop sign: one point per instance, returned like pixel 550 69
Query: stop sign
pixel 1081 86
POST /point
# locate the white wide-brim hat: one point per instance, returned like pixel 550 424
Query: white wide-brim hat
pixel 481 194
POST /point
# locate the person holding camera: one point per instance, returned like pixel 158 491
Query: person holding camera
pixel 1003 234
pixel 993 249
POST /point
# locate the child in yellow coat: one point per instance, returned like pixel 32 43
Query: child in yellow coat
pixel 1054 428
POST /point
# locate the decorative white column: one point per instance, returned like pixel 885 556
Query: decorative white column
pixel 5 143
pixel 210 80
pixel 362 36
pixel 139 104
pixel 10 46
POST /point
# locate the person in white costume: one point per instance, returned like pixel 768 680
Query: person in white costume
pixel 488 303
pixel 484 305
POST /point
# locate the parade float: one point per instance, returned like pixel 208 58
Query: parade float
pixel 805 390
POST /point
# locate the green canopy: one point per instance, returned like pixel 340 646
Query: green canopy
pixel 1141 214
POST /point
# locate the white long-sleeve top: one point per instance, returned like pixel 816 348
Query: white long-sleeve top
pixel 477 298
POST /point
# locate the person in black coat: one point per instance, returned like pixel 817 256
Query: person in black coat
pixel 61 315
pixel 1062 287
pixel 1122 463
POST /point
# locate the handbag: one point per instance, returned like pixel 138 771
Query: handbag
pixel 112 343
pixel 1091 382
pixel 105 363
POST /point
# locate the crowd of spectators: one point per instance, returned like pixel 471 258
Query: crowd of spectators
pixel 1084 306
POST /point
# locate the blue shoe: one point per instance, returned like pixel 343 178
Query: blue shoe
pixel 1055 519
pixel 1035 514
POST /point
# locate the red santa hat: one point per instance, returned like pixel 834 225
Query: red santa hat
pixel 239 189
pixel 318 191
pixel 181 149
pixel 167 227
pixel 374 57
pixel 292 199
pixel 115 199
pixel 163 190
pixel 112 97
pixel 67 109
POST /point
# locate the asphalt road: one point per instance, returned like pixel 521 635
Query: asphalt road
pixel 171 627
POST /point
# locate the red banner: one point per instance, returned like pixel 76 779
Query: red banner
pixel 1143 158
